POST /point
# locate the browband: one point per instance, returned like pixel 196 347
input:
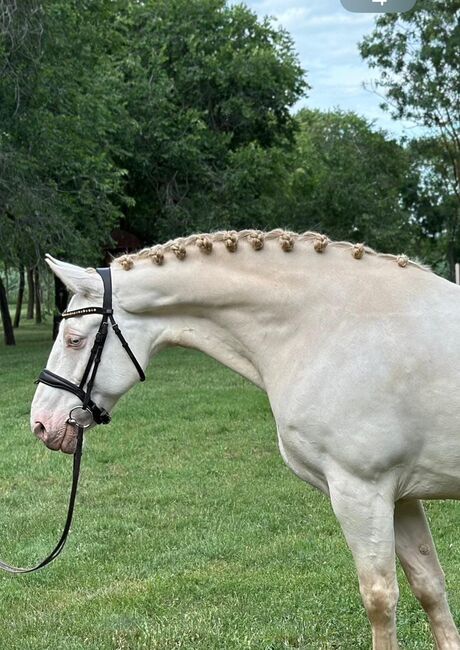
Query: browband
pixel 85 311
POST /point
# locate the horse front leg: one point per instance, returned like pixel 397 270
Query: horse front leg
pixel 417 554
pixel 365 512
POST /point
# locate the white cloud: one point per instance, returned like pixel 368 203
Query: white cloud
pixel 346 77
pixel 294 17
pixel 338 20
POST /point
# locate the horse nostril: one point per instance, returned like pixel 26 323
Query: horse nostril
pixel 40 431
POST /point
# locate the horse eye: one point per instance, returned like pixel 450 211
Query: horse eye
pixel 73 341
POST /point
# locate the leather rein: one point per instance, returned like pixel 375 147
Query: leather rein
pixel 82 417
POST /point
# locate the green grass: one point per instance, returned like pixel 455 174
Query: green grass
pixel 189 532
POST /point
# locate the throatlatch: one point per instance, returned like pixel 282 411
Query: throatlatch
pixel 82 417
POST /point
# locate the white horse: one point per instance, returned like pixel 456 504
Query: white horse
pixel 359 354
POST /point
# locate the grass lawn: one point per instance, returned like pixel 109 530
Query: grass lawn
pixel 189 531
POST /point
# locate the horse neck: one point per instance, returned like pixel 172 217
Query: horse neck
pixel 231 306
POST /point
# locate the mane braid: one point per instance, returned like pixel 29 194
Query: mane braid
pixel 256 239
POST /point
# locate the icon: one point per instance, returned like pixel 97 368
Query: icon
pixel 378 6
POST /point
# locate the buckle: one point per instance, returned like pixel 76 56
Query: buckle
pixel 81 417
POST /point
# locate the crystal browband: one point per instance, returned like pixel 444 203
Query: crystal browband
pixel 87 310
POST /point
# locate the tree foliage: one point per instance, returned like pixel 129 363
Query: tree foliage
pixel 433 204
pixel 205 102
pixel 349 179
pixel 60 107
pixel 418 54
pixel 151 113
pixel 171 116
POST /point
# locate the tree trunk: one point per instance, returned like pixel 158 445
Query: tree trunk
pixel 30 294
pixel 451 259
pixel 6 318
pixel 17 316
pixel 453 249
pixel 61 298
pixel 38 298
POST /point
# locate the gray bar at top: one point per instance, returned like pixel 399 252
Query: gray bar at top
pixel 378 6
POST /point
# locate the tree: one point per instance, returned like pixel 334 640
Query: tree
pixel 20 296
pixel 61 190
pixel 432 203
pixel 348 179
pixel 418 54
pixel 205 103
pixel 61 106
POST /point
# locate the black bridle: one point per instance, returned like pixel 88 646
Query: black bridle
pixel 89 412
pixel 82 417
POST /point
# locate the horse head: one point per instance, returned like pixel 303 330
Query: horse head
pixel 73 353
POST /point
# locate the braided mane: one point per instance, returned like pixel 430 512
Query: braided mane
pixel 255 238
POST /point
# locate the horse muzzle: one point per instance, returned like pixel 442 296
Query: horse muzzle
pixel 64 439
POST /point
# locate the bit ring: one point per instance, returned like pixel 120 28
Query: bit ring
pixel 85 422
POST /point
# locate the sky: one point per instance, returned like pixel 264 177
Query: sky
pixel 326 37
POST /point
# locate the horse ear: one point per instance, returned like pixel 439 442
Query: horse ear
pixel 76 279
